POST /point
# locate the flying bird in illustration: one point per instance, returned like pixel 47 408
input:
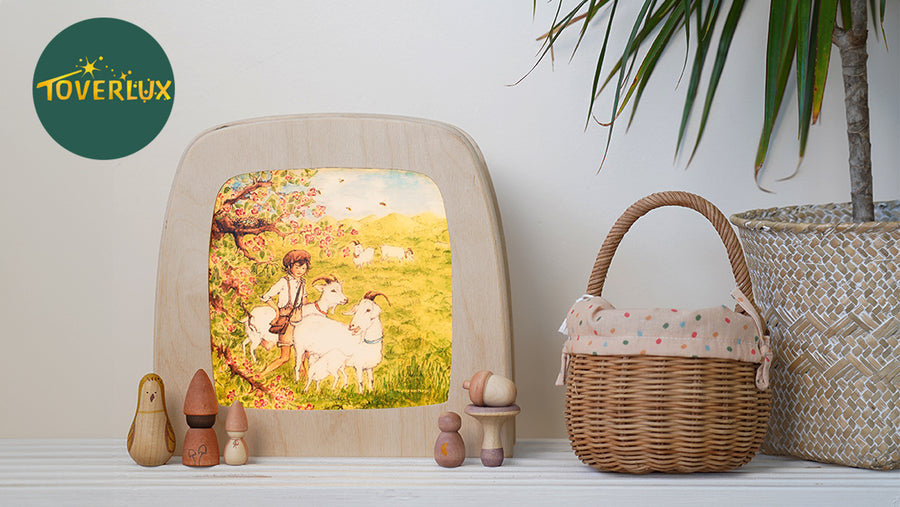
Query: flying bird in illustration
pixel 151 439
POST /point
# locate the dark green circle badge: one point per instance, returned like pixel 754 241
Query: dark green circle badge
pixel 103 88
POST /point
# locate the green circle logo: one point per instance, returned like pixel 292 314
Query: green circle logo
pixel 103 88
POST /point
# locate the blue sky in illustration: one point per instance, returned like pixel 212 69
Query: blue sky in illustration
pixel 358 193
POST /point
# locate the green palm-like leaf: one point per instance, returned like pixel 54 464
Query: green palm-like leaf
pixel 653 21
pixel 731 22
pixel 827 15
pixel 782 40
pixel 600 59
pixel 673 11
pixel 673 23
pixel 630 52
pixel 807 23
pixel 845 14
pixel 704 28
pixel 799 35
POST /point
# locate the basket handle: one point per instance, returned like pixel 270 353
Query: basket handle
pixel 672 198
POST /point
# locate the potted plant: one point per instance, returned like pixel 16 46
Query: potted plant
pixel 827 276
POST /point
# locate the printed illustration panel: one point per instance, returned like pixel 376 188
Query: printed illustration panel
pixel 330 289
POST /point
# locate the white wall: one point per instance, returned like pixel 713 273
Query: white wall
pixel 81 237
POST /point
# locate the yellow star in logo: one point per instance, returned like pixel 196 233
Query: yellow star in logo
pixel 89 67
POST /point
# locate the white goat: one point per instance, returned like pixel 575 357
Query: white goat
pixel 256 324
pixel 317 337
pixel 389 252
pixel 330 364
pixel 362 256
pixel 333 346
pixel 367 354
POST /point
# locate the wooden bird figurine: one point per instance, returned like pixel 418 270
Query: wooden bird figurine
pixel 151 439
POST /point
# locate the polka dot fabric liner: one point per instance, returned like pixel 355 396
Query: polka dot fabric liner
pixel 595 326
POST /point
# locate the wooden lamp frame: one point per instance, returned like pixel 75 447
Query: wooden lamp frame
pixel 482 330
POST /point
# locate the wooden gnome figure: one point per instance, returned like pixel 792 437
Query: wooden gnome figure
pixel 151 439
pixel 201 447
pixel 236 426
pixel 449 448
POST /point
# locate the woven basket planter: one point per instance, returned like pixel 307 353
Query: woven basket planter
pixel 666 390
pixel 829 292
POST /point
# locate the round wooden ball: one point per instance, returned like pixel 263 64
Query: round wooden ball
pixel 449 421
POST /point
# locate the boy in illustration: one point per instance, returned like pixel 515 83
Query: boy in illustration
pixel 286 297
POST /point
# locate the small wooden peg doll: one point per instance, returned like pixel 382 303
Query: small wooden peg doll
pixel 236 426
pixel 201 446
pixel 449 448
pixel 151 439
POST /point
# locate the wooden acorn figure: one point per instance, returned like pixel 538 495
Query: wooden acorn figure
pixel 201 446
pixel 449 448
pixel 236 426
pixel 489 390
pixel 151 439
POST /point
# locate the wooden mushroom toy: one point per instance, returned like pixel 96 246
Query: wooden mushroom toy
pixel 492 420
pixel 489 390
pixel 449 448
pixel 201 446
pixel 151 439
pixel 236 426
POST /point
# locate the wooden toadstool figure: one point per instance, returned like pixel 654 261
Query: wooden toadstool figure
pixel 236 426
pixel 493 403
pixel 492 420
pixel 151 439
pixel 201 446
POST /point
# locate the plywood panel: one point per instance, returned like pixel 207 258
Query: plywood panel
pixel 482 334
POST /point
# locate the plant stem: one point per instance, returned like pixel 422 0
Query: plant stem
pixel 852 45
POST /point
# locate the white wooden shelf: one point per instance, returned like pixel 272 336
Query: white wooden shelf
pixel 543 472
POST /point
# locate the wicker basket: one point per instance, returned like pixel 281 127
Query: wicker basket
pixel 643 413
pixel 830 292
